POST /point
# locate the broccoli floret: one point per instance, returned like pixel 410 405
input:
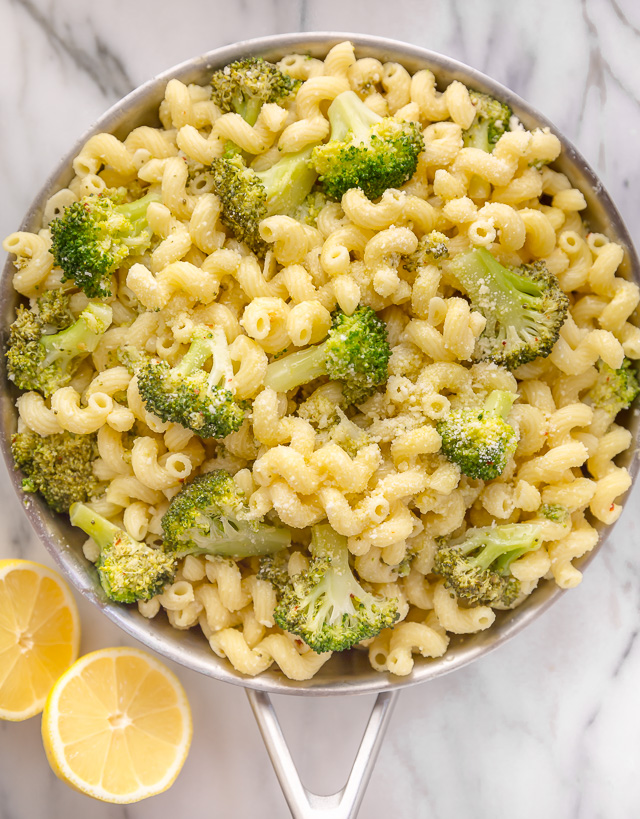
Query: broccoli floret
pixel 432 248
pixel 132 358
pixel 356 352
pixel 476 566
pixel 524 308
pixel 309 210
pixel 37 361
pixel 347 434
pixel 323 410
pixel 52 310
pixel 403 568
pixel 59 467
pixel 246 85
pixel 250 196
pixel 320 408
pixel 614 390
pixel 210 516
pixel 365 150
pixel 189 395
pixel 128 570
pixel 275 568
pixel 25 353
pixel 555 512
pixel 480 440
pixel 325 605
pixel 490 123
pixel 93 236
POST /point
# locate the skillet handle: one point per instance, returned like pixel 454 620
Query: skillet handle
pixel 303 803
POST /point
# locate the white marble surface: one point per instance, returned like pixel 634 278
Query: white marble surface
pixel 550 724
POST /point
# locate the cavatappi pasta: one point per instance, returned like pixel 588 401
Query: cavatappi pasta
pixel 395 495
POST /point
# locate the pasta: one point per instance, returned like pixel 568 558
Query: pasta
pixel 376 474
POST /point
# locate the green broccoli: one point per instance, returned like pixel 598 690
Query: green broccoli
pixel 309 210
pixel 403 569
pixel 59 466
pixel 524 307
pixel 93 236
pixel 325 605
pixel 355 352
pixel 555 512
pixel 45 362
pixel 480 440
pixel 246 85
pixel 614 390
pixel 320 409
pixel 250 196
pixel 274 567
pixel 348 434
pixel 490 123
pixel 52 310
pixel 133 358
pixel 210 516
pixel 432 248
pixel 476 566
pixel 128 570
pixel 365 150
pixel 189 395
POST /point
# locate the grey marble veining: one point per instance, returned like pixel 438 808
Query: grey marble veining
pixel 549 725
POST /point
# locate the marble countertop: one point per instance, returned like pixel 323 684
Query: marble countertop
pixel 549 725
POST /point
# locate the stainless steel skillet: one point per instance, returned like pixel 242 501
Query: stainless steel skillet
pixel 350 673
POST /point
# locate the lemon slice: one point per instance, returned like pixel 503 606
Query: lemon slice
pixel 117 726
pixel 39 635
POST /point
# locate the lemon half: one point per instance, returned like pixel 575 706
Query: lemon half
pixel 117 726
pixel 39 635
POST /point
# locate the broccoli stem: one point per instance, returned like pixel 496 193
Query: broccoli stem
pixel 471 270
pixel 201 350
pixel 78 340
pixel 133 237
pixel 221 374
pixel 239 543
pixel 349 114
pixel 249 109
pixel 478 137
pixel 298 368
pixel 288 183
pixel 339 587
pixel 196 356
pixel 489 554
pixel 326 542
pixel 137 211
pixel 502 547
pixel 499 402
pixel 100 529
